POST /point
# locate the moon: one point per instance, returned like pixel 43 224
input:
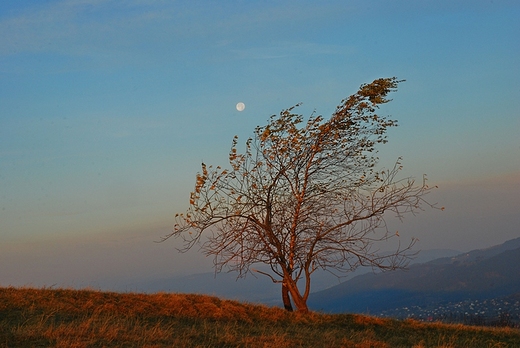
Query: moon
pixel 241 106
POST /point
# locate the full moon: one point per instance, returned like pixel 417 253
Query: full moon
pixel 241 106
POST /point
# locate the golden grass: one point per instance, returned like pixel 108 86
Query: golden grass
pixel 87 318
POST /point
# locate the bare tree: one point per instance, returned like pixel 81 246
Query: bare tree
pixel 304 196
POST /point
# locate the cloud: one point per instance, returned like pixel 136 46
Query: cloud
pixel 88 27
pixel 278 50
pixel 101 27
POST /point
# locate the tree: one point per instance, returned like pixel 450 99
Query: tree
pixel 304 196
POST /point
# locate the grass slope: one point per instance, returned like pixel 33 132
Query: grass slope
pixel 85 318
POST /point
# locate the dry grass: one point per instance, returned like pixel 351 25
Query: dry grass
pixel 84 318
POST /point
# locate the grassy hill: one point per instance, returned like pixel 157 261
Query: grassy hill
pixel 85 318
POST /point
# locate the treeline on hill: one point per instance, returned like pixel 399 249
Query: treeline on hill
pixel 86 318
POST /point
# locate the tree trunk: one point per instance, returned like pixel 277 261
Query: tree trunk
pixel 300 303
pixel 292 289
pixel 286 299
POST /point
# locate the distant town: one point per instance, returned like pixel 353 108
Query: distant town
pixel 502 312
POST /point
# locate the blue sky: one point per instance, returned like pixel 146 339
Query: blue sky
pixel 107 109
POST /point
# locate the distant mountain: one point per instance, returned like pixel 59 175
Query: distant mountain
pixel 259 289
pixel 434 254
pixel 478 274
pixel 481 254
pixel 253 289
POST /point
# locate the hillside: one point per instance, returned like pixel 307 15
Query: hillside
pixel 82 318
pixel 479 274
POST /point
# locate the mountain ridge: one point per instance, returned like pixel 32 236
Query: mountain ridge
pixel 253 289
pixel 482 273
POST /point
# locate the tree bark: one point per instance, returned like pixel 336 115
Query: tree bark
pixel 300 303
pixel 286 299
pixel 292 289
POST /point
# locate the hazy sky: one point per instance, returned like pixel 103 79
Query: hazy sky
pixel 107 109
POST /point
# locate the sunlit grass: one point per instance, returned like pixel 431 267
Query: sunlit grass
pixel 86 318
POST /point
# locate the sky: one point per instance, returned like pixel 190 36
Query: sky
pixel 107 109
